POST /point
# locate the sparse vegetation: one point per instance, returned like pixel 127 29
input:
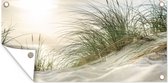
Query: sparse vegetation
pixel 5 35
pixel 7 38
pixel 42 63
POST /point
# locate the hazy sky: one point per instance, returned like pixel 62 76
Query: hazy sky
pixel 46 17
pixel 41 15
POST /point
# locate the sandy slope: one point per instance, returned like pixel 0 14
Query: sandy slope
pixel 142 61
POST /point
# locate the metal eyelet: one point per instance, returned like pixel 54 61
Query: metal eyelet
pixel 6 4
pixel 161 4
pixel 30 55
pixel 161 77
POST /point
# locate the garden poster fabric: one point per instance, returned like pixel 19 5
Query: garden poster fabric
pixel 87 40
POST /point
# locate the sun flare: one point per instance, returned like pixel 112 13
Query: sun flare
pixel 37 14
pixel 37 11
pixel 37 4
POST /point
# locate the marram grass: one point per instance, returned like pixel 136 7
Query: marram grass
pixel 110 28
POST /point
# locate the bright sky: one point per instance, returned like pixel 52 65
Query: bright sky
pixel 41 16
pixel 45 17
pixel 36 15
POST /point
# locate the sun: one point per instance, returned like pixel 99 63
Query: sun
pixel 37 11
pixel 36 14
pixel 35 5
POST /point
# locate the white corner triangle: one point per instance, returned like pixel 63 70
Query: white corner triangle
pixel 21 57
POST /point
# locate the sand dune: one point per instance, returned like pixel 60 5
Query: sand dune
pixel 137 62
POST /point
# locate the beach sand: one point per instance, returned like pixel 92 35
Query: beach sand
pixel 144 61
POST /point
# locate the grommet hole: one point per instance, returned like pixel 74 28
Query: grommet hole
pixel 6 4
pixel 161 4
pixel 161 77
pixel 30 55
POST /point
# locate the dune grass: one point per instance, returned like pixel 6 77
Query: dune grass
pixel 103 31
pixel 110 28
pixel 155 17
pixel 44 60
pixel 5 35
pixel 7 39
pixel 42 63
